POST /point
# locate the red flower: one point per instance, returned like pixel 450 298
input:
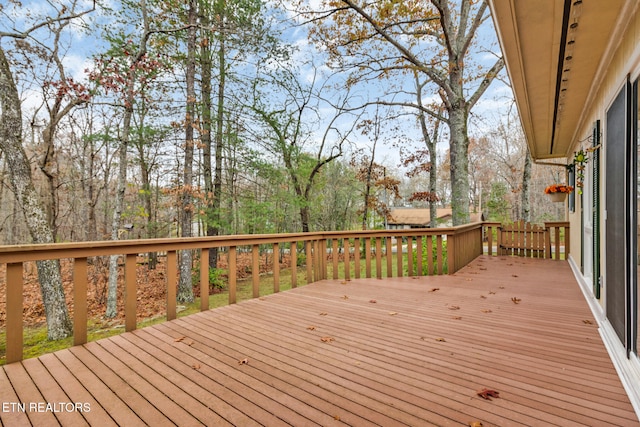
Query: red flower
pixel 558 188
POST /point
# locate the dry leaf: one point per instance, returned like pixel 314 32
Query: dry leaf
pixel 392 313
pixel 345 297
pixel 311 328
pixel 196 366
pixel 486 311
pixel 514 275
pixel 491 293
pixel 501 287
pixel 587 322
pixel 454 307
pixel 324 313
pixel 483 268
pixel 516 300
pixel 336 417
pixel 487 394
pixel 475 424
pixel 434 289
pixel 457 317
pixel 483 297
pixel 243 362
pixel 179 339
pixel 372 301
pixel 327 339
pixel 344 282
pixel 262 298
pixel 469 280
pixel 441 339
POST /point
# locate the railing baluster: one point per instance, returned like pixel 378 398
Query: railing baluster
pixel 15 340
pixel 172 283
pixel 204 279
pixel 378 258
pixel 130 294
pixel 232 274
pixel 255 270
pixel 293 253
pixel 309 261
pixel 430 267
pixel 334 257
pixel 276 268
pixel 399 271
pixel 419 256
pixel 356 255
pixel 367 257
pixel 347 261
pixel 410 256
pixel 79 301
pixel 389 257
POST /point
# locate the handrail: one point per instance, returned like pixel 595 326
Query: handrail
pixel 425 249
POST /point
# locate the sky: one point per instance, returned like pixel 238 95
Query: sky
pixel 81 46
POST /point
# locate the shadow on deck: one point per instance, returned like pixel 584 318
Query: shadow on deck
pixel 401 351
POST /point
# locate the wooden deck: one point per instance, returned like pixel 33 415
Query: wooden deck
pixel 406 351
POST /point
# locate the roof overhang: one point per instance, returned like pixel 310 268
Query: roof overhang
pixel 553 51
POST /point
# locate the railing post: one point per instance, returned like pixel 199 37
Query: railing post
pixel 172 279
pixel 79 301
pixel 15 339
pixel 451 254
pixel 130 295
pixel 204 279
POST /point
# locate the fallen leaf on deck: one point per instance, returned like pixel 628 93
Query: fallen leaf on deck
pixel 262 298
pixel 336 417
pixel 344 282
pixel 196 366
pixel 483 268
pixel 345 297
pixel 324 313
pixel 587 322
pixel 487 394
pixel 372 301
pixel 454 307
pixel 327 339
pixel 483 297
pixel 475 424
pixel 434 289
pixel 469 280
pixel 514 275
pixel 441 339
pixel 501 287
pixel 392 313
pixel 243 362
pixel 486 311
pixel 190 342
pixel 516 300
pixel 457 317
pixel 491 293
pixel 311 328
pixel 179 339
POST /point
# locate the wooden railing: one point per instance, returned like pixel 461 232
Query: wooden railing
pixel 411 252
pixel 550 241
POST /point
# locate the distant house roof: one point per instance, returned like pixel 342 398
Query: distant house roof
pixel 421 217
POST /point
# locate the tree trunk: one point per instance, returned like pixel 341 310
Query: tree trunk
pixel 526 180
pixel 222 73
pixel 185 286
pixel 458 152
pixel 57 314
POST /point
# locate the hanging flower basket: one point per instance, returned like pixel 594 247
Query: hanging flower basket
pixel 558 192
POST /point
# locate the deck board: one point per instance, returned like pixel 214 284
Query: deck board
pixel 403 351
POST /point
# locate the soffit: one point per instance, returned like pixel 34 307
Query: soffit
pixel 551 95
